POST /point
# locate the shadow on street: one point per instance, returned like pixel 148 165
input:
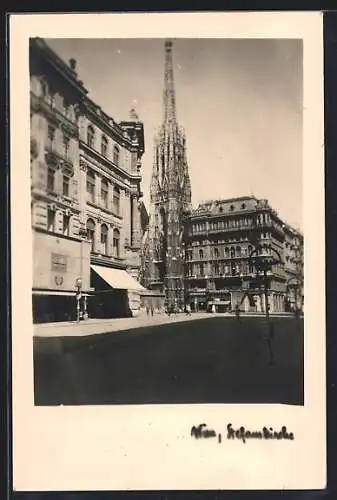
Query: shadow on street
pixel 216 360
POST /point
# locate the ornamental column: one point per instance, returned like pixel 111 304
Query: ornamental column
pixel 135 221
pixel 97 189
pixel 83 197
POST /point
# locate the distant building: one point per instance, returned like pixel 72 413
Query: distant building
pixel 86 219
pixel 220 237
pixel 294 268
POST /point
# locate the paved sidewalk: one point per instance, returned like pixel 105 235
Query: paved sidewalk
pixel 98 326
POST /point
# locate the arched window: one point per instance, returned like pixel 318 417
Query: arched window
pixel 201 254
pixel 104 146
pixel 116 243
pixel 91 233
pixel 104 238
pixel 50 137
pixel 116 155
pixel 250 249
pixel 90 136
pixel 238 251
pixel 226 252
pixel 232 252
pixel 66 146
pixel 116 200
pixel 216 253
pixel 104 192
pixel 90 186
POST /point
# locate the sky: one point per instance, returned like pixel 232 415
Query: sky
pixel 239 101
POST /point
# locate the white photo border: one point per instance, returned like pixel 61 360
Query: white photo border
pixel 148 447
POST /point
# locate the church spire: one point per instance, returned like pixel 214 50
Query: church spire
pixel 169 93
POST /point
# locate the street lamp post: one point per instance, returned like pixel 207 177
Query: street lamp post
pixel 78 285
pixel 263 259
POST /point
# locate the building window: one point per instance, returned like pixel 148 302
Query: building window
pixel 66 144
pixel 116 243
pixel 104 193
pixel 51 220
pixel 201 254
pixel 65 185
pixel 90 186
pixel 238 251
pixel 216 253
pixel 51 179
pixel 243 206
pixel 231 208
pixel 90 136
pixel 226 253
pixel 116 199
pixel 116 155
pixel 232 252
pixel 104 238
pixel 202 272
pixel 44 88
pixel 91 233
pixel 233 269
pixel 50 137
pixel 66 224
pixel 104 146
pixel 52 99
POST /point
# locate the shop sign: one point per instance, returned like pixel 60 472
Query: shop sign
pixel 58 262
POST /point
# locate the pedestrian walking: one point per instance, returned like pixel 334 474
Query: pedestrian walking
pixel 237 312
pixel 188 310
pixel 151 310
pixel 147 310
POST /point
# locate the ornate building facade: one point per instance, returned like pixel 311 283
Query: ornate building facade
pixel 220 238
pixel 170 200
pixel 86 209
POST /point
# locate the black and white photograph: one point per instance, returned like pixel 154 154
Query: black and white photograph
pixel 168 261
pixel 168 236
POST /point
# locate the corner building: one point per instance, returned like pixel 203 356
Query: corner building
pixel 220 235
pixel 85 197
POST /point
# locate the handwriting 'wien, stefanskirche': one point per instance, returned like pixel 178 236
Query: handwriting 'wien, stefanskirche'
pixel 241 433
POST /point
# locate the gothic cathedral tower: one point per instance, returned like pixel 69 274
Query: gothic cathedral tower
pixel 170 198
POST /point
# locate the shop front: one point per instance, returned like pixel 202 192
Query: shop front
pixel 58 264
pixel 116 293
